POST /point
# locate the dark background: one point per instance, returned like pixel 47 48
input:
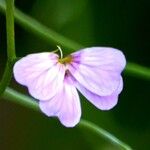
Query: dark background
pixel 121 24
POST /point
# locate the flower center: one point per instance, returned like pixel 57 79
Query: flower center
pixel 65 60
pixel 62 60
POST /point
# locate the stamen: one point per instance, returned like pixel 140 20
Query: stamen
pixel 60 50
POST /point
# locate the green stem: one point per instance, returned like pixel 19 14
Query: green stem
pixel 44 32
pixel 21 99
pixel 40 30
pixel 10 30
pixel 18 98
pixel 10 45
pixel 138 71
pixel 6 77
pixel 103 133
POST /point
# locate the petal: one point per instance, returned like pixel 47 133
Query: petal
pixel 65 105
pixel 98 69
pixel 36 63
pixel 40 73
pixel 96 80
pixel 101 102
pixel 105 58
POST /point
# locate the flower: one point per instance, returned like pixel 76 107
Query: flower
pixel 95 72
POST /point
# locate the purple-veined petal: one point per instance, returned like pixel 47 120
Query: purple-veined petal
pixel 105 58
pixel 40 73
pixel 36 63
pixel 98 69
pixel 96 80
pixel 101 102
pixel 65 105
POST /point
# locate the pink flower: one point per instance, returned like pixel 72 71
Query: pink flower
pixel 95 72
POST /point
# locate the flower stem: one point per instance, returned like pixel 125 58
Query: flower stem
pixel 10 30
pixel 137 71
pixel 28 102
pixel 6 77
pixel 21 99
pixel 10 45
pixel 103 133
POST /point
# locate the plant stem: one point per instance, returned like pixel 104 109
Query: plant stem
pixel 10 30
pixel 16 97
pixel 103 133
pixel 6 77
pixel 10 45
pixel 21 99
pixel 138 71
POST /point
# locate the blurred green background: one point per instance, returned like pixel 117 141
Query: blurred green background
pixel 121 24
